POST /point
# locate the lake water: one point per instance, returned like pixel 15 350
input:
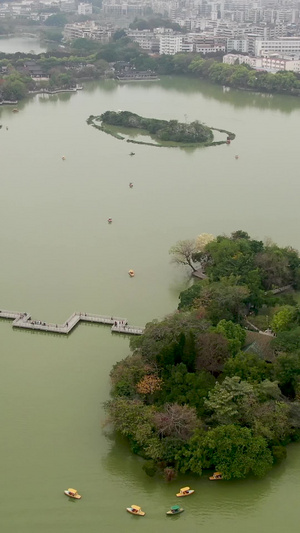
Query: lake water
pixel 59 255
pixel 21 44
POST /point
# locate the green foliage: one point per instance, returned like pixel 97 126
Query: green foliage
pixel 227 401
pixel 182 351
pixel 162 129
pixel 242 76
pixel 224 300
pixel 188 298
pixel 160 335
pixel 234 333
pixel 230 449
pixel 126 374
pixel 185 387
pixel 216 406
pixel 287 341
pixel 211 352
pixel 287 372
pixel 284 318
pixel 59 19
pixel 248 366
pixel 235 452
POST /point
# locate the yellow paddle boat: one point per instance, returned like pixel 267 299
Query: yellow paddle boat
pixel 135 509
pixel 185 491
pixel 131 273
pixel 215 476
pixel 72 493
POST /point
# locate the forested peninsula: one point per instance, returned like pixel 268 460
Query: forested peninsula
pixel 216 385
pixel 163 132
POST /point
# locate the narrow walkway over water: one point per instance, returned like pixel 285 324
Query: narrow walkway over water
pixel 24 320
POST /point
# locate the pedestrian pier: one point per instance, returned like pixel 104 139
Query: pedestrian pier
pixel 25 321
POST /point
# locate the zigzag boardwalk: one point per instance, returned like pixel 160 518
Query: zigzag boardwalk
pixel 24 320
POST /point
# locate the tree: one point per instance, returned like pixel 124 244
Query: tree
pixel 287 372
pixel 182 253
pixel 184 387
pixel 211 352
pixel 274 267
pixel 232 450
pixel 226 401
pixel 178 421
pixel 287 341
pixel 235 452
pixel 126 374
pixel 135 420
pixel 284 318
pixel 234 333
pixel 248 366
pixel 59 19
pixel 224 299
pixel 149 384
pixel 202 240
pixel 119 34
pixel 188 298
pixel 160 335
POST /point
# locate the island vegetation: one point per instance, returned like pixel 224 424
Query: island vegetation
pixel 216 385
pixel 163 132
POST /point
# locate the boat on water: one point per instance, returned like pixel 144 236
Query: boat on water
pixel 215 476
pixel 63 157
pixel 72 493
pixel 175 509
pixel 131 273
pixel 130 185
pixel 135 509
pixel 185 491
pixel 15 110
pixel 109 220
pixel 132 153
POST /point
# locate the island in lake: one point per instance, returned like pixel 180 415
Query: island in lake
pixel 163 132
pixel 216 385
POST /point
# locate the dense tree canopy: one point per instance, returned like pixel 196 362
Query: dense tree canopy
pixel 194 395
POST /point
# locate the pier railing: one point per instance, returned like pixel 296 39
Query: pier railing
pixel 25 321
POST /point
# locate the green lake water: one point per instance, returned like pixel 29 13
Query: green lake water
pixel 59 255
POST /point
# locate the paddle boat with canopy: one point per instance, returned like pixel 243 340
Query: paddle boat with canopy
pixel 135 509
pixel 215 476
pixel 72 493
pixel 185 491
pixel 175 509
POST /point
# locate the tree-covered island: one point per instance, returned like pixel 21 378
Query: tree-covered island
pixel 164 132
pixel 216 385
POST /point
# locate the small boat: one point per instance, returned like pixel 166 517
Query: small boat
pixel 72 493
pixel 131 273
pixel 236 156
pixel 109 220
pixel 228 141
pixel 185 491
pixel 132 153
pixel 130 185
pixel 63 158
pixel 215 476
pixel 175 509
pixel 135 509
pixel 15 110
